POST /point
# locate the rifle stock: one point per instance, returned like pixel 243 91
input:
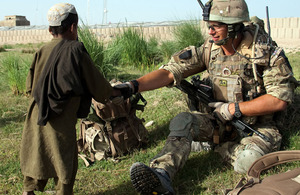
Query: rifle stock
pixel 197 94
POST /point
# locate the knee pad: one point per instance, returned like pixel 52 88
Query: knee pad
pixel 245 159
pixel 198 146
pixel 180 125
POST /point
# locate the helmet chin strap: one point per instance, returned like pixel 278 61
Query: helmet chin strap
pixel 220 42
pixel 232 32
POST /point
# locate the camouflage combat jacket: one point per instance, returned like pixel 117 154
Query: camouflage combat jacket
pixel 232 77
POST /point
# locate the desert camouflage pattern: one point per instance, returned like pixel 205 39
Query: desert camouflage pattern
pixel 230 151
pixel 177 147
pixel 229 11
pixel 275 77
pixel 279 80
pixel 197 126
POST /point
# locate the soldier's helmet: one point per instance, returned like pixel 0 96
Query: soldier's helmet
pixel 226 11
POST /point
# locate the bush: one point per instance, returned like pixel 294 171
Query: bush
pixel 2 49
pixel 168 48
pixel 15 72
pixel 129 48
pixel 188 33
pixel 95 48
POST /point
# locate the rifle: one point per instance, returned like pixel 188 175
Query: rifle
pixel 199 94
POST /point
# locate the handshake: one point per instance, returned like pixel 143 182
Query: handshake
pixel 127 89
pixel 130 88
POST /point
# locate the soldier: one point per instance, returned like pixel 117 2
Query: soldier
pixel 251 79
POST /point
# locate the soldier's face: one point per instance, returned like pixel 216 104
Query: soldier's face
pixel 217 30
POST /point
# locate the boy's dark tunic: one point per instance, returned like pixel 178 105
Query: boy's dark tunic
pixel 51 151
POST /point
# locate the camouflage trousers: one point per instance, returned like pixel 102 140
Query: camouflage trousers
pixel 187 127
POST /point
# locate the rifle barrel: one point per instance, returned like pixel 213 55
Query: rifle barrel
pixel 241 123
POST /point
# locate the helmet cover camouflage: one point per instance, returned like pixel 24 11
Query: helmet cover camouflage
pixel 228 11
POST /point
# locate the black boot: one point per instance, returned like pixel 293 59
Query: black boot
pixel 147 180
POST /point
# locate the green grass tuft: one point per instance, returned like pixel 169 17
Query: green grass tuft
pixel 15 72
pixel 95 48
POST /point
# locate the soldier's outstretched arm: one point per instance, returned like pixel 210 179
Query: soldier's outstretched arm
pixel 155 79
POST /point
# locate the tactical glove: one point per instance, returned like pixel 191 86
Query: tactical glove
pixel 126 89
pixel 221 111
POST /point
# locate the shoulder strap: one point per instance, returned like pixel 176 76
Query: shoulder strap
pixel 111 143
pixel 134 102
pixel 207 51
pixel 265 162
pixel 272 159
pixel 84 125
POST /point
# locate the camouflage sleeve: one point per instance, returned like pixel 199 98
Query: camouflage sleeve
pixel 278 79
pixel 184 60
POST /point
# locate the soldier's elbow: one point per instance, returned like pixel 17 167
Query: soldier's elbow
pixel 281 105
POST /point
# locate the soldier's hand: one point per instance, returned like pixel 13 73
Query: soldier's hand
pixel 126 89
pixel 221 111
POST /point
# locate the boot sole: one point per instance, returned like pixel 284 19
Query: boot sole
pixel 145 181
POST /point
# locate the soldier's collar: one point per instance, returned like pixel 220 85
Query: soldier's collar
pixel 246 43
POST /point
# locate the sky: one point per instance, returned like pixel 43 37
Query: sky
pixel 118 11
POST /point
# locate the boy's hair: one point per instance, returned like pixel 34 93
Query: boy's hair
pixel 65 25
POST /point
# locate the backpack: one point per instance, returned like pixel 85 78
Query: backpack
pixel 287 183
pixel 112 130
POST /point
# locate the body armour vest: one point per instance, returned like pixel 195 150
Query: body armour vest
pixel 238 77
pixel 232 78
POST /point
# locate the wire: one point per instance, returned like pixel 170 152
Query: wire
pixel 247 58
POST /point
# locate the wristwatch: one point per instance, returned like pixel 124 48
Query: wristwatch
pixel 237 112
